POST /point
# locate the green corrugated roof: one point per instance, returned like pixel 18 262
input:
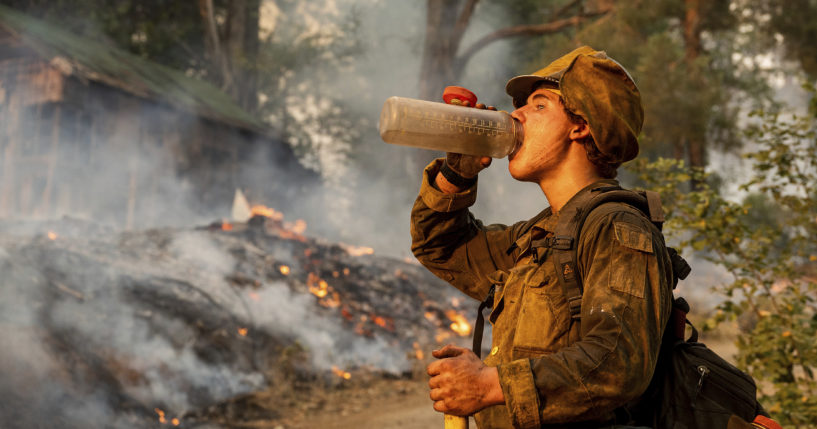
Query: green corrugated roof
pixel 100 62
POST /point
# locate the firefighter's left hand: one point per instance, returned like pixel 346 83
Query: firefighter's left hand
pixel 461 384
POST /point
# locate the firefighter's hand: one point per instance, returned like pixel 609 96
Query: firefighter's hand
pixel 461 384
pixel 468 166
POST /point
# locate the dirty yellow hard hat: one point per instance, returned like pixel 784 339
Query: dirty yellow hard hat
pixel 597 88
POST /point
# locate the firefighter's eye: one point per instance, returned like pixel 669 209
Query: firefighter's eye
pixel 540 106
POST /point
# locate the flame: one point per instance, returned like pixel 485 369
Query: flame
pixel 460 325
pixel 358 250
pixel 284 270
pixel 261 210
pixel 418 352
pixel 317 286
pixel 335 274
pixel 226 226
pixel 332 302
pixel 175 421
pixel 442 336
pixel 346 271
pixel 383 322
pixel 341 373
pixel 161 414
pixel 346 314
pixel 52 235
pixel 299 227
pixel 430 316
pixel 242 332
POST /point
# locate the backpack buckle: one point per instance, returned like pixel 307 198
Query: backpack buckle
pixel 562 243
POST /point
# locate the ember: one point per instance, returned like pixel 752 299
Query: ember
pixel 460 325
pixel 242 332
pixel 418 352
pixel 340 373
pixel 284 270
pixel 161 414
pixel 226 226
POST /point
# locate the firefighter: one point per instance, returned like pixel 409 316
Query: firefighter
pixel 581 116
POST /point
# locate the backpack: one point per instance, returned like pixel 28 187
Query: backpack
pixel 692 387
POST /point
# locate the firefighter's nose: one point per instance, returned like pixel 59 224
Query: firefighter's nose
pixel 519 115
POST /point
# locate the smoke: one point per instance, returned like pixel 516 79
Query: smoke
pixel 100 330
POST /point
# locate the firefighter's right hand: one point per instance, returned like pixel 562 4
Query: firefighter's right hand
pixel 468 166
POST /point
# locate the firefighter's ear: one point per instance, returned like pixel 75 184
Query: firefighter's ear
pixel 579 131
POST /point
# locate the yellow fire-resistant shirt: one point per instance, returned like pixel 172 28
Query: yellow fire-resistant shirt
pixel 553 371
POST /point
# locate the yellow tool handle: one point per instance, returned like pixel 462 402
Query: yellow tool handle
pixel 455 422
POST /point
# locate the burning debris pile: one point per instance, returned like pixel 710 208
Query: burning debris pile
pixel 175 326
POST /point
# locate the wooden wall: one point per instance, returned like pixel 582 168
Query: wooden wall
pixel 82 148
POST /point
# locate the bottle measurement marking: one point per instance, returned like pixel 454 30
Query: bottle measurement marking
pixel 457 123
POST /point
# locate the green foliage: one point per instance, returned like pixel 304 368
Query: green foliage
pixel 766 243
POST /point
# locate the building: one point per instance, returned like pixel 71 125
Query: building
pixel 90 130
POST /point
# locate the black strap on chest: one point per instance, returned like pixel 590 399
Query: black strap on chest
pixel 564 242
pixel 479 326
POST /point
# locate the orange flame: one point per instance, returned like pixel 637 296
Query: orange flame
pixel 460 325
pixel 299 227
pixel 442 336
pixel 383 322
pixel 175 421
pixel 341 373
pixel 161 414
pixel 226 226
pixel 317 286
pixel 242 332
pixel 418 352
pixel 261 210
pixel 358 250
pixel 430 316
pixel 331 302
pixel 346 271
pixel 52 235
pixel 284 270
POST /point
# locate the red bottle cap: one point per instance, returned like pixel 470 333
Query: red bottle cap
pixel 459 93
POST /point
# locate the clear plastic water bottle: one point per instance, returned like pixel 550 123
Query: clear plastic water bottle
pixel 449 128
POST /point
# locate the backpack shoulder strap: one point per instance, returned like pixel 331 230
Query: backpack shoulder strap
pixel 565 242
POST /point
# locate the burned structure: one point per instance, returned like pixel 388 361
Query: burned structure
pixel 92 131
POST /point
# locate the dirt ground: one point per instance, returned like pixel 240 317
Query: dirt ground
pixel 383 403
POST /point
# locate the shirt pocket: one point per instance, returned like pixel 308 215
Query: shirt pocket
pixel 544 319
pixel 629 259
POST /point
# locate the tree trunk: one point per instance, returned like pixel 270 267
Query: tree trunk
pixel 440 48
pixel 696 145
pixel 233 48
pixel 241 42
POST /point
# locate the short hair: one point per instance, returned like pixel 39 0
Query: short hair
pixel 606 167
